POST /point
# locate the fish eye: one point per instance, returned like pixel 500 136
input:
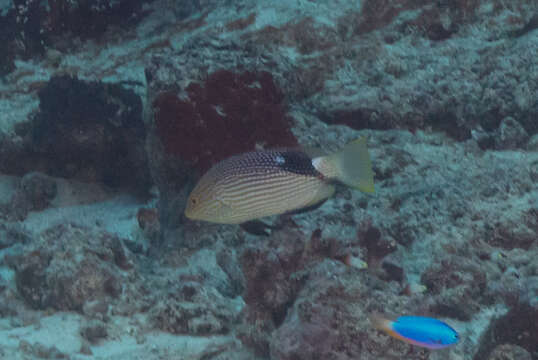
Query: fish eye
pixel 193 201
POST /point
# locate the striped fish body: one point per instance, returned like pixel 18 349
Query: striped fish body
pixel 263 183
pixel 257 184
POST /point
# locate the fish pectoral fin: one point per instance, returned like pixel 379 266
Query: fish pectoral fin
pixel 257 227
pixel 323 195
pixel 307 208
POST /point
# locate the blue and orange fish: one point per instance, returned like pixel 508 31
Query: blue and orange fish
pixel 418 330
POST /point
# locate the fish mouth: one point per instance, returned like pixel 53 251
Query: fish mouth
pixel 189 214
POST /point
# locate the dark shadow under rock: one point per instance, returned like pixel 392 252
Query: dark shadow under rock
pixel 90 131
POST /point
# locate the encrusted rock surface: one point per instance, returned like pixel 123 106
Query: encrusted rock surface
pixel 152 93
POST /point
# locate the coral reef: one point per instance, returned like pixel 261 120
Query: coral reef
pixel 144 96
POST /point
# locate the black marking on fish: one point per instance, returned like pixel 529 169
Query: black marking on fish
pixel 296 162
pixel 257 227
pixel 307 209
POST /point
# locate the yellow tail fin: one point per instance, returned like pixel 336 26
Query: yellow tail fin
pixel 352 166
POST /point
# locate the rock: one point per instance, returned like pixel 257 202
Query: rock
pixel 509 352
pixel 227 260
pixel 41 351
pixel 532 145
pixel 12 234
pixel 512 334
pixel 378 246
pixel 34 193
pixel 93 331
pixel 394 272
pixel 269 289
pixel 510 135
pixel 86 349
pixel 148 220
pixel 194 310
pixel 34 26
pixel 90 131
pixel 458 288
pixel 69 267
pixel 324 323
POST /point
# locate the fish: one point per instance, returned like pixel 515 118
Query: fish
pixel 263 183
pixel 417 330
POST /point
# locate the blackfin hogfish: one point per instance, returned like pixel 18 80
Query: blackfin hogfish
pixel 270 182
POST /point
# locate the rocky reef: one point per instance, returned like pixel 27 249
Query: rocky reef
pixel 112 110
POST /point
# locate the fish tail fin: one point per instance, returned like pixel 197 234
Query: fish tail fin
pixel 380 322
pixel 351 166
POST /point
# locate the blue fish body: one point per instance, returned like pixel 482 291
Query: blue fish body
pixel 423 331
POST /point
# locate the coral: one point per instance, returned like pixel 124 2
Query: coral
pixel 87 130
pixel 69 267
pixel 193 309
pixel 457 288
pixel 230 113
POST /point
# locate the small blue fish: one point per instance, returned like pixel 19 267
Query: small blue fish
pixel 417 330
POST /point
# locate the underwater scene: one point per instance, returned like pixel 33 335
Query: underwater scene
pixel 269 180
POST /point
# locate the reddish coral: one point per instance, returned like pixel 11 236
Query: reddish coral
pixel 229 114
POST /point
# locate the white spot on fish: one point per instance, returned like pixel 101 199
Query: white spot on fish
pixel 280 160
pixel 316 163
